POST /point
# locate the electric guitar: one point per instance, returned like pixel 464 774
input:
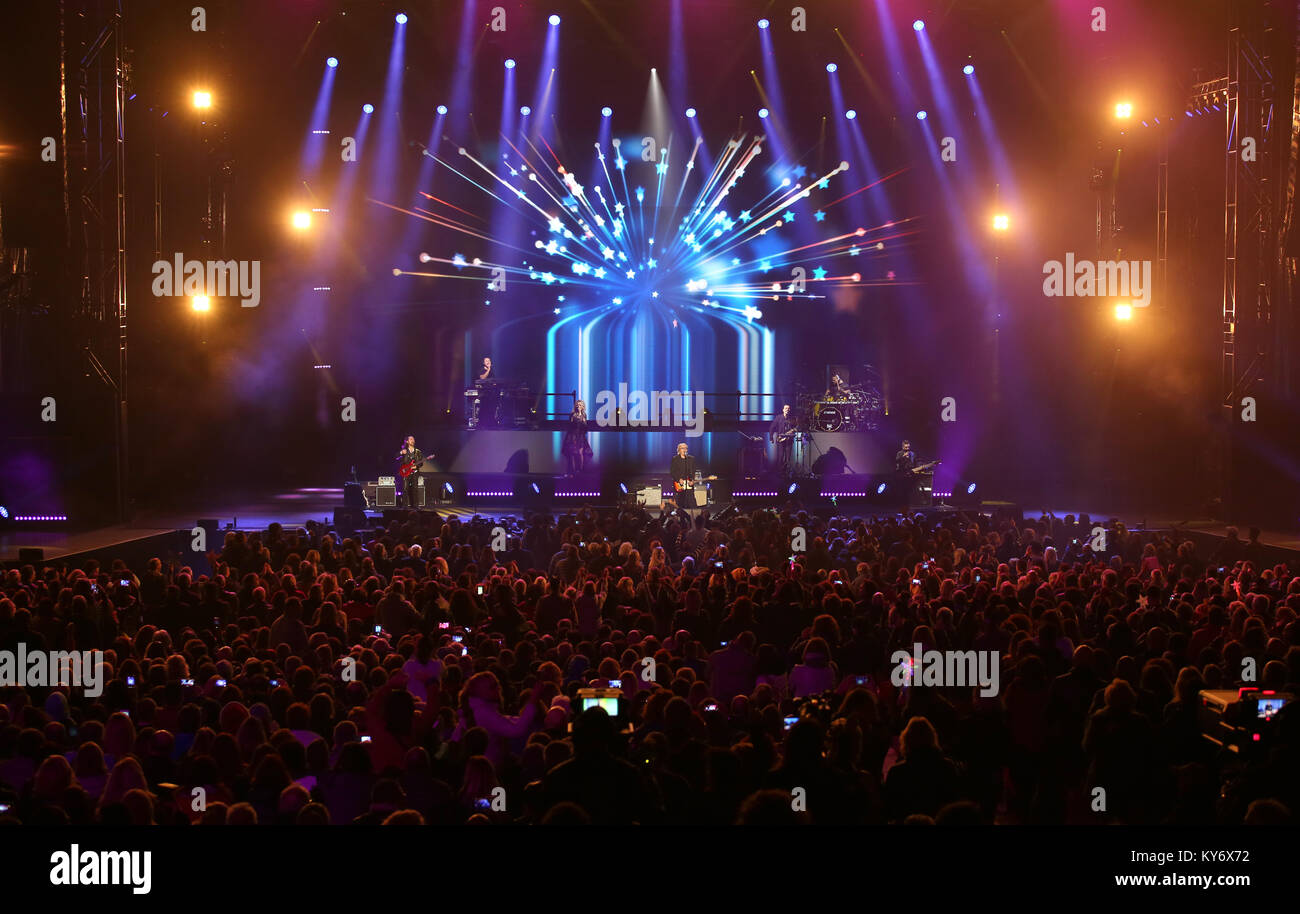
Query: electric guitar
pixel 409 466
pixel 681 485
pixel 783 438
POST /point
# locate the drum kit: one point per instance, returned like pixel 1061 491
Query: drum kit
pixel 860 409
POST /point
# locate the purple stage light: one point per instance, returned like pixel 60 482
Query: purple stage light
pixel 918 24
pixel 368 108
pixel 331 62
pixel 851 114
pixel 525 110
pixel 401 18
pixel 510 63
pixel 762 112
pixel 763 23
pixel 442 109
pixel 968 69
pixel 921 115
pixel 690 112
pixel 607 111
pixel 554 20
pixel 831 68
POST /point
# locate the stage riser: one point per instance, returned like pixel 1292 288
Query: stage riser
pixel 630 451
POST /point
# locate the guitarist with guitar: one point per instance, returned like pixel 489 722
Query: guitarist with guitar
pixel 781 433
pixel 409 460
pixel 908 469
pixel 683 473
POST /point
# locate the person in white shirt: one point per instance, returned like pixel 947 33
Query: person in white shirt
pixel 422 669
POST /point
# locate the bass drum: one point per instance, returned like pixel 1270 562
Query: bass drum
pixel 830 418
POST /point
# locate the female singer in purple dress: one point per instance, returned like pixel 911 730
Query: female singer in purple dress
pixel 577 452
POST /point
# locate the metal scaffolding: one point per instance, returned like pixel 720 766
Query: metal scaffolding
pixel 95 199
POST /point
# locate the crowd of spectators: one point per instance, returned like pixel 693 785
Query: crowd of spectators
pixel 412 675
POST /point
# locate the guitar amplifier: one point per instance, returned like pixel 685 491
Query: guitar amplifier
pixel 650 496
pixel 381 494
pixel 417 482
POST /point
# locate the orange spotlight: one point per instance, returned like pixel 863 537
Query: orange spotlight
pixel 1123 311
pixel 1123 110
pixel 1001 222
pixel 201 303
pixel 301 219
pixel 202 98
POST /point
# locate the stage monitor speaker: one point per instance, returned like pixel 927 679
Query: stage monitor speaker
pixel 210 525
pixel 386 496
pixel 650 496
pixel 349 519
pixel 353 495
pixel 29 555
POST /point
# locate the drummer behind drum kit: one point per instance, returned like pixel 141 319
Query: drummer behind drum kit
pixel 857 411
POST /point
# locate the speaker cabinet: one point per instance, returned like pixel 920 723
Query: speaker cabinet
pixel 353 495
pixel 349 520
pixel 386 496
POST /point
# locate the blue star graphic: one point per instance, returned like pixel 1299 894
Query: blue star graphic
pixel 745 216
pixel 789 216
pixel 824 183
pixel 819 216
pixel 819 273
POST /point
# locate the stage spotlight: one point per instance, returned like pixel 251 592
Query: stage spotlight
pixel 851 114
pixel 301 220
pixel 1123 111
pixel 918 24
pixel 535 488
pixel 554 20
pixel 1001 222
pixel 622 487
pixel 331 62
pixel 510 63
pixel 1123 311
pixel 690 112
pixel 921 115
pixel 880 489
pixel 525 110
pixel 202 98
pixel 201 303
pixel 762 23
pixel 607 111
pixel 442 109
pixel 449 488
pixel 401 18
pixel 368 108
pixel 791 490
pixel 831 68
pixel 4 513
pixel 762 112
pixel 968 69
pixel 970 489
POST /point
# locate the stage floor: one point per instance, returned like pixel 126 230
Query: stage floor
pixel 296 507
